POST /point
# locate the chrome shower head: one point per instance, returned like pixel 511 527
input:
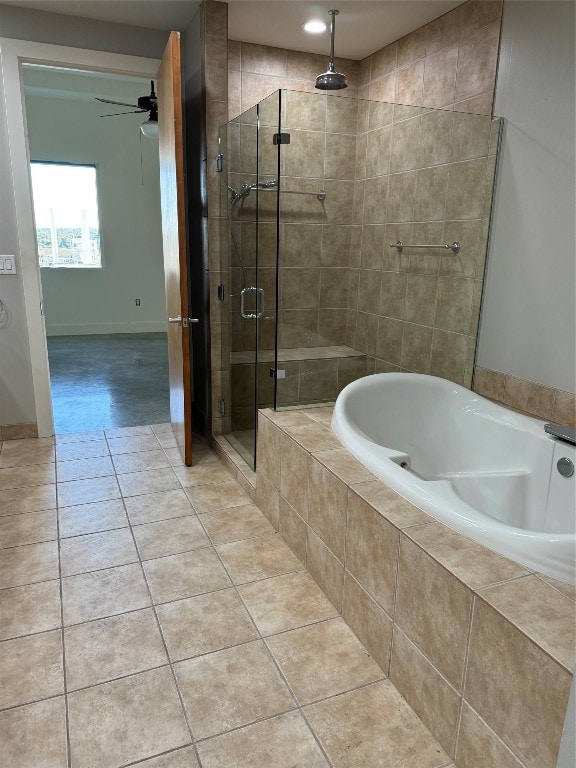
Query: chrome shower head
pixel 331 80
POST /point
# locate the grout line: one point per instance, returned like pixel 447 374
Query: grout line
pixel 464 674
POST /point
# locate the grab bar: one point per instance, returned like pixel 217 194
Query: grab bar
pixel 259 303
pixel 320 195
pixel 454 247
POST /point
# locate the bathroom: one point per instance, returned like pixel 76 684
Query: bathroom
pixel 408 155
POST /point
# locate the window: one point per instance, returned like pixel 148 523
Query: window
pixel 66 214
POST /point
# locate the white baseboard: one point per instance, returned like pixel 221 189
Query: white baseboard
pixel 89 329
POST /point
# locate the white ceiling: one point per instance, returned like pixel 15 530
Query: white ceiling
pixel 362 27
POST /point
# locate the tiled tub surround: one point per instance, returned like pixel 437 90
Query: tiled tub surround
pixel 150 615
pixel 481 648
pixel 526 396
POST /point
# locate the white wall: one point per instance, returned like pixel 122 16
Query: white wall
pixel 528 318
pixel 70 129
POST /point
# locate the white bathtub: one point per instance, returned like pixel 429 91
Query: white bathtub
pixel 477 467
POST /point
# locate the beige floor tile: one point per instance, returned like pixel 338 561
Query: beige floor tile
pixel 80 437
pixel 138 717
pixel 33 608
pixel 34 736
pixel 286 602
pixel 373 728
pixel 282 742
pixel 157 506
pixel 92 449
pixel 169 537
pixel 114 647
pixel 204 624
pixel 162 428
pixel 180 758
pixel 235 524
pixel 29 528
pixel 84 469
pixel 231 688
pixel 85 491
pixel 138 462
pixel 31 668
pixel 35 474
pixel 203 474
pixel 150 481
pixel 29 564
pixel 174 456
pixel 127 431
pixel 94 551
pixel 91 518
pixel 24 455
pixel 208 498
pixel 323 660
pixel 185 575
pixel 259 558
pixel 103 593
pixel 34 498
pixel 133 444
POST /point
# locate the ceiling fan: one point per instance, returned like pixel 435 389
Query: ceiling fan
pixel 144 104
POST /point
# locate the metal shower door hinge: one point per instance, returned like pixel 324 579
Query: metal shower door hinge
pixel 219 163
pixel 220 292
pixel 281 138
pixel 277 373
pixel 221 407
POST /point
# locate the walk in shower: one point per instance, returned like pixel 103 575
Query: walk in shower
pixel 354 242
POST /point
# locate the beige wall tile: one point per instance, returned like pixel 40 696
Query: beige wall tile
pixel 372 551
pixel 268 499
pixel 443 31
pixel 420 299
pixel 543 614
pixel 390 505
pixel 432 698
pixel 411 47
pixel 294 475
pixel 263 60
pixel 516 688
pixel 384 61
pixel 564 408
pixel 368 621
pixel 489 383
pixel 433 610
pixel 479 13
pixel 466 190
pixel 268 450
pixel 416 348
pixel 477 59
pixel 327 508
pixel 529 397
pixel 410 84
pixel 293 530
pixel 449 356
pixel 479 745
pixel 326 570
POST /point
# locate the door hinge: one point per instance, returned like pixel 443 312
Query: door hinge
pixel 281 138
pixel 220 292
pixel 221 407
pixel 277 373
pixel 219 163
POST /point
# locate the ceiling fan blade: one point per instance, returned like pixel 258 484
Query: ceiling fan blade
pixel 119 103
pixel 135 112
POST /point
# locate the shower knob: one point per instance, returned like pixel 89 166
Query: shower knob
pixel 565 466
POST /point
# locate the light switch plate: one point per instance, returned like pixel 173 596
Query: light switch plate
pixel 7 265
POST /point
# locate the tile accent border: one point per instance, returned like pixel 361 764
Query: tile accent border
pixel 18 431
pixel 526 396
pixel 439 613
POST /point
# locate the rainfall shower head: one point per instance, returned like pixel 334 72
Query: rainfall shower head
pixel 331 80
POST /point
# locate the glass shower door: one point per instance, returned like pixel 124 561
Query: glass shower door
pixel 249 237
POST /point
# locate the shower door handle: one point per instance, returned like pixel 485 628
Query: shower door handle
pixel 183 322
pixel 260 303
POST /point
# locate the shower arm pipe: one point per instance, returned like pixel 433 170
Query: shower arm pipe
pixel 454 247
pixel 333 14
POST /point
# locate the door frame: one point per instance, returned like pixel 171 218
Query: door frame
pixel 13 54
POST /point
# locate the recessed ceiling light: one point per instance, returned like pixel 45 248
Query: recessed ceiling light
pixel 314 27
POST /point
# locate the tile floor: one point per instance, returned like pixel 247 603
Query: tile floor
pixel 150 616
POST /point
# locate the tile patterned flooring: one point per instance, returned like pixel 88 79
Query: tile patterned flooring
pixel 150 616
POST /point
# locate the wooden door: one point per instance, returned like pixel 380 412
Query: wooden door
pixel 172 193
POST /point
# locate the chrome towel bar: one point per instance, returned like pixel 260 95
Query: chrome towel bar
pixel 321 195
pixel 454 247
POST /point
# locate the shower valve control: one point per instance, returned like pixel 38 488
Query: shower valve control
pixel 565 466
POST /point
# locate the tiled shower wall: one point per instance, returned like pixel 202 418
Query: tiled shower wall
pixel 450 62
